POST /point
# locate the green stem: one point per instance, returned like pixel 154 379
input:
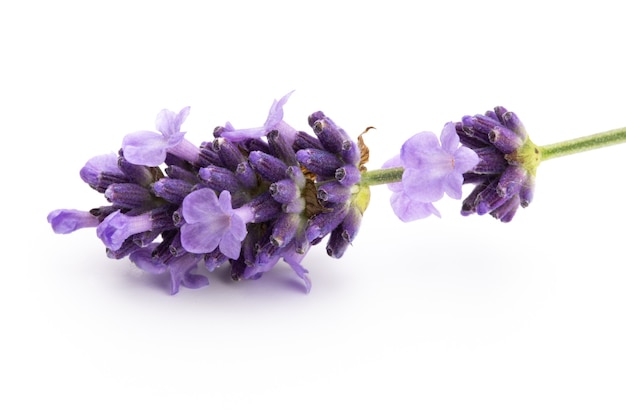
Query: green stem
pixel 586 143
pixel 381 176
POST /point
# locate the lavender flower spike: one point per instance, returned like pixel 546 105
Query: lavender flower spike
pixel 211 223
pixel 150 148
pixel 274 122
pixel 432 168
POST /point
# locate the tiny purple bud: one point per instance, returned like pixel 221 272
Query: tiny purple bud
pixel 139 174
pixel 220 179
pixel 68 221
pixel 101 171
pixel 306 141
pixel 172 190
pixel 269 167
pixel 319 162
pixel 285 230
pixel 330 136
pixel 511 181
pixel 128 195
pixel 505 140
pixel 229 153
pixel 348 175
pixel 284 191
pixel 333 192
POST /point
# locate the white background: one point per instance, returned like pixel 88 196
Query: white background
pixel 454 316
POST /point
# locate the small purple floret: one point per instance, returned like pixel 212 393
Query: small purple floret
pixel 274 121
pixel 117 227
pixel 212 223
pixel 150 148
pixel 432 167
pixel 68 221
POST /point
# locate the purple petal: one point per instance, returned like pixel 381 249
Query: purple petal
pixel 449 138
pixel 465 159
pixel 144 260
pixel 238 227
pixel 200 205
pixel 453 184
pixel 199 237
pixel 276 113
pixel 425 186
pixel 230 245
pixel 145 148
pixel 417 149
pixel 409 210
pixel 180 271
pixel 394 162
pixel 294 262
pixel 169 123
pixel 225 202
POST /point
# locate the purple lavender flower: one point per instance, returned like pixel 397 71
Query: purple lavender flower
pixel 211 222
pixel 68 221
pixel 505 175
pixel 101 171
pixel 117 227
pixel 150 148
pixel 432 167
pixel 274 121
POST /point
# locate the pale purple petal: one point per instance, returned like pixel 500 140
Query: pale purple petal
pixel 276 113
pixel 180 272
pixel 225 202
pixel 198 238
pixel 238 227
pixel 180 118
pixel 449 138
pixel 395 162
pixel 424 185
pixel 453 184
pixel 293 260
pixel 417 149
pixel 145 148
pixel 169 123
pixel 465 159
pixel 409 210
pixel 145 261
pixel 230 245
pixel 200 205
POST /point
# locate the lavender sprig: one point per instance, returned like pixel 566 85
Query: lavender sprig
pixel 253 197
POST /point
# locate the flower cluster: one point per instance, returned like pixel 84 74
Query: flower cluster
pixel 248 199
pixel 505 175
